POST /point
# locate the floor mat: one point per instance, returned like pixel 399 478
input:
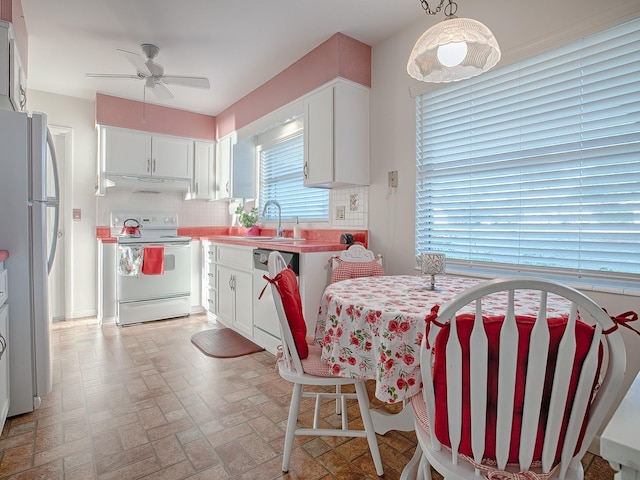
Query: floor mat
pixel 223 343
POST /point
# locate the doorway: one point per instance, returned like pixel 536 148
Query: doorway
pixel 59 295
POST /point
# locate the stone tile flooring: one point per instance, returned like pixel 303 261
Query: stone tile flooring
pixel 143 402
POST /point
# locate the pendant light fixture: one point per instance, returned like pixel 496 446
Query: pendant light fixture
pixel 454 49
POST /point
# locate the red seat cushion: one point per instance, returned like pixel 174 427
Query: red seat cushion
pixel 346 270
pixel 584 335
pixel 287 285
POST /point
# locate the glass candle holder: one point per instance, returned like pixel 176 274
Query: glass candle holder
pixel 433 264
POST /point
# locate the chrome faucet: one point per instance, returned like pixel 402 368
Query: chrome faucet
pixel 264 210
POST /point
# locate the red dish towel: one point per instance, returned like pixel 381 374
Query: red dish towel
pixel 153 260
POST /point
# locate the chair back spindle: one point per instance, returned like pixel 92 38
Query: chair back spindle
pixel 535 400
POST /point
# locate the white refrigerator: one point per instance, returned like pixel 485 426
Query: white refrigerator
pixel 26 153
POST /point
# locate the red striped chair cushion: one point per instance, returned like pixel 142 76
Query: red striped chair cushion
pixel 584 335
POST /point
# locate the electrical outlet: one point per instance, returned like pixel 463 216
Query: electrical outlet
pixel 393 179
pixel 340 213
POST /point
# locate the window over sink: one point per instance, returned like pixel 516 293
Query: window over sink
pixel 281 177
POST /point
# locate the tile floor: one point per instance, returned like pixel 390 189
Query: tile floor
pixel 143 402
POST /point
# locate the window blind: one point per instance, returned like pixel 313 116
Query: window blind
pixel 281 179
pixel 537 164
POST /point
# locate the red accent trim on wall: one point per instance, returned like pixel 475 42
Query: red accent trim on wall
pixel 340 56
pixel 120 112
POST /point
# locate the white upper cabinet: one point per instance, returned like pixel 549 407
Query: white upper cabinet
pixel 171 156
pixel 13 86
pixel 336 136
pixel 223 167
pixel 235 168
pixel 203 170
pixel 132 152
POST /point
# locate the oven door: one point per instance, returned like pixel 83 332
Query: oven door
pixel 174 282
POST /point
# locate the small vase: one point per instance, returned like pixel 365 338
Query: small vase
pixel 253 231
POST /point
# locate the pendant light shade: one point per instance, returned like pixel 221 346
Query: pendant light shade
pixel 454 49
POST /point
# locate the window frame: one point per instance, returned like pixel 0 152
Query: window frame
pixel 488 268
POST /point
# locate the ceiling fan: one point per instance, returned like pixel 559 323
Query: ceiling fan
pixel 153 73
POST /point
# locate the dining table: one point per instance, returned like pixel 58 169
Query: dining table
pixel 372 328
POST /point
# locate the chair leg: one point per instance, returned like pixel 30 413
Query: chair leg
pixel 363 402
pixel 292 421
pixel 338 403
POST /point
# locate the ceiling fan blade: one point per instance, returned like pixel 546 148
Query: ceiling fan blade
pixel 161 91
pixel 112 75
pixel 137 62
pixel 197 82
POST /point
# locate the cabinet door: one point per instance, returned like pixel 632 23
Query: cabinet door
pixel 243 318
pixel 18 87
pixel 223 167
pixel 127 152
pixel 202 187
pixel 243 169
pixel 171 157
pixel 4 364
pixel 226 295
pixel 318 138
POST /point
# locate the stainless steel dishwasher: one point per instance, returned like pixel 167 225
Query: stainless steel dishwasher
pixel 266 327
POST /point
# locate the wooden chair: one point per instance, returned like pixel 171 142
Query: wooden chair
pixel 354 262
pixel 516 394
pixel 311 371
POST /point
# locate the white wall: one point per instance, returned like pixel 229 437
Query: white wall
pixel 521 29
pixel 78 115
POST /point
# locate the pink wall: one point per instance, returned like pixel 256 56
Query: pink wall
pixel 340 56
pixel 120 112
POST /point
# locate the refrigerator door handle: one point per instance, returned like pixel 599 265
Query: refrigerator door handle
pixel 54 202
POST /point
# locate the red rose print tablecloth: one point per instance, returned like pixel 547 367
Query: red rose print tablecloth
pixel 372 327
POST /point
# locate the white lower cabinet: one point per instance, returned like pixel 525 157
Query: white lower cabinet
pixel 234 287
pixel 4 345
pixel 209 278
pixel 230 290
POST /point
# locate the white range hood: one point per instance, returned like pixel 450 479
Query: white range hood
pixel 146 184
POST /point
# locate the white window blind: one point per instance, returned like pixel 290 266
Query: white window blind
pixel 537 164
pixel 281 179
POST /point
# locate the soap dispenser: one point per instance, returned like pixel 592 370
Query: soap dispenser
pixel 297 231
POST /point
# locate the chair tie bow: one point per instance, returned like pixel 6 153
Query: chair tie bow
pixel 622 320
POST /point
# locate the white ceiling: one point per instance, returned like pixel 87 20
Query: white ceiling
pixel 237 44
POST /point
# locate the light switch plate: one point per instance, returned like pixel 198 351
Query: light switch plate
pixel 340 213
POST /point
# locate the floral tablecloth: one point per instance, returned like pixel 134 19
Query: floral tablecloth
pixel 372 327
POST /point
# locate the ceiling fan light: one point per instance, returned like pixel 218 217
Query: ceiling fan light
pixel 483 51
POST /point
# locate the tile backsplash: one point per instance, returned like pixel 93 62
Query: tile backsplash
pixel 354 200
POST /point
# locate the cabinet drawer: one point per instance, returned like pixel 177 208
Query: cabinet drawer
pixel 235 257
pixel 210 253
pixel 211 301
pixel 4 284
pixel 211 277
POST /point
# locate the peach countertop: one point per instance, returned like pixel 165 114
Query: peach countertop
pixel 4 254
pixel 315 240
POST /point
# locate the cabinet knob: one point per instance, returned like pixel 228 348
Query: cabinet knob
pixel 154 166
pixel 148 165
pixel 306 170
